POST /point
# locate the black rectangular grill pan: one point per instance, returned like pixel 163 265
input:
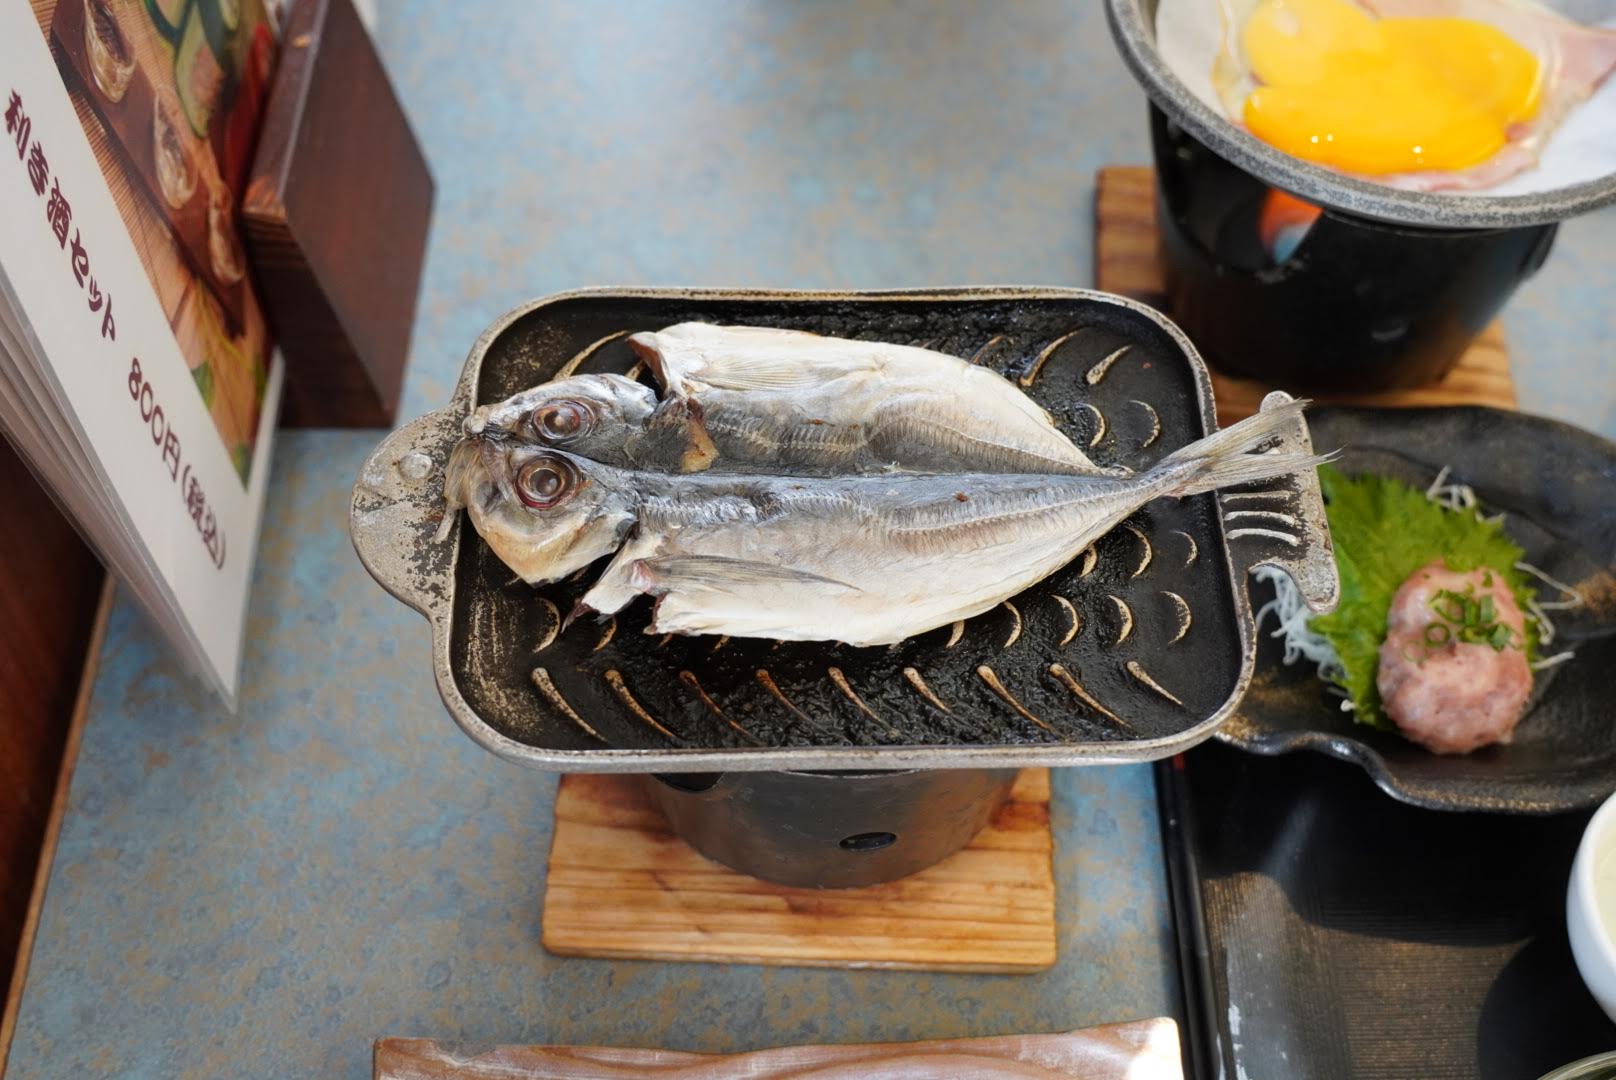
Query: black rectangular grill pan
pixel 1163 644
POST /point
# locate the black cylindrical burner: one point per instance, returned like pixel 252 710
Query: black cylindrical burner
pixel 1315 299
pixel 831 830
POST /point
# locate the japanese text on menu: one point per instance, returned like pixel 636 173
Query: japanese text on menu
pixel 59 219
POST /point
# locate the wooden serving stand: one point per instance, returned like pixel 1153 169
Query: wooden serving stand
pixel 622 885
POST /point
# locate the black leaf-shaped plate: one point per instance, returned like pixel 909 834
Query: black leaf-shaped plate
pixel 1557 486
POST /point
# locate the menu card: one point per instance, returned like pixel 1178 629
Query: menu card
pixel 137 375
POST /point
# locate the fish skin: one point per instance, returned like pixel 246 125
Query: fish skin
pixel 787 399
pixel 871 560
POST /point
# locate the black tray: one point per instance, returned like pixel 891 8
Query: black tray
pixel 1326 930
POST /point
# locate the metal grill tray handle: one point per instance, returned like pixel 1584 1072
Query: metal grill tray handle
pixel 1137 649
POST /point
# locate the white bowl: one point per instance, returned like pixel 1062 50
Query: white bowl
pixel 1592 943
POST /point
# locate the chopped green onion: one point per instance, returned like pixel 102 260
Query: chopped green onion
pixel 1437 633
pixel 1450 605
pixel 1485 613
pixel 1499 638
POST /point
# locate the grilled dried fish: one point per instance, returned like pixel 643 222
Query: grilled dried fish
pixel 863 559
pixel 786 398
pixel 607 418
pixel 748 399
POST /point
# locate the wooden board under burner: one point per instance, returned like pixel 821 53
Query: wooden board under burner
pixel 1127 261
pixel 622 885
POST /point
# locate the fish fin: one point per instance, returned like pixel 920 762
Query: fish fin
pixel 760 374
pixel 666 572
pixel 1232 456
pixel 579 609
pixel 616 585
pixel 633 572
pixel 716 595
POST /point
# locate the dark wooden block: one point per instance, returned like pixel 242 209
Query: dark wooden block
pixel 50 583
pixel 336 215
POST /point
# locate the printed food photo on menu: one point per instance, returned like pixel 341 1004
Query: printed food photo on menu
pixel 170 93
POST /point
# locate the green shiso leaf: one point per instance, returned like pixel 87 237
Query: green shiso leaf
pixel 1383 531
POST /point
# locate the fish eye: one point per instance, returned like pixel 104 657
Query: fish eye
pixel 545 482
pixel 563 420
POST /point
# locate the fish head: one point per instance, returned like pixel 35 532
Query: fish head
pixel 591 415
pixel 545 513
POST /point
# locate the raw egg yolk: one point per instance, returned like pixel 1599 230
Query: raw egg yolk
pixel 1377 96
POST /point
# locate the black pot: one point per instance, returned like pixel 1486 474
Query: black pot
pixel 1333 302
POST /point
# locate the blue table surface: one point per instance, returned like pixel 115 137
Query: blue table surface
pixel 264 894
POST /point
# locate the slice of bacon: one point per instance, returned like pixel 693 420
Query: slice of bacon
pixel 1575 58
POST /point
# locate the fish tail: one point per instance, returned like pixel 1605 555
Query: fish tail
pixel 1242 453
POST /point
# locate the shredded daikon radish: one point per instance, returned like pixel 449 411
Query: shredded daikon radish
pixel 1293 614
pixel 1456 497
pixel 1540 611
pixel 1545 625
pixel 1574 598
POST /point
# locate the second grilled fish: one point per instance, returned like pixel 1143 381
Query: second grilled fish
pixel 863 559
